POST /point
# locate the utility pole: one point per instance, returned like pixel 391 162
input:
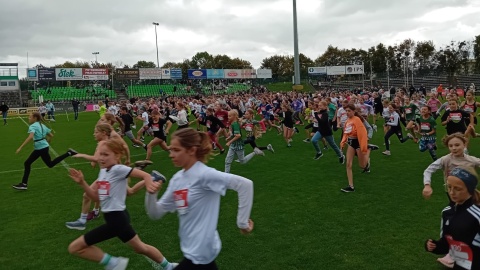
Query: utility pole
pixel 295 46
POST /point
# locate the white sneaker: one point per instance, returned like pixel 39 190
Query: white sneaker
pixel 387 153
pixel 122 264
pixel 409 135
pixel 374 127
pixel 270 148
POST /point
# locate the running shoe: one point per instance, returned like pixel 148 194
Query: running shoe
pixel 71 152
pixel 136 145
pixel 296 130
pixel 342 159
pixel 367 168
pixel 92 215
pixel 270 148
pixel 121 264
pixel 306 140
pixel 325 147
pixel 142 139
pixel 222 151
pixel 141 164
pixel 75 225
pixel 318 156
pixel 373 147
pixel 375 127
pixel 145 147
pixel 20 186
pixel 348 189
pixel 156 177
pixel 387 153
pixel 289 145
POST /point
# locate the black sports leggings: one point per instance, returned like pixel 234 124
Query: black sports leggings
pixel 187 264
pixel 251 141
pixel 43 153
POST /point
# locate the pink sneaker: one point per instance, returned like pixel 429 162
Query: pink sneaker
pixel 91 215
pixel 446 261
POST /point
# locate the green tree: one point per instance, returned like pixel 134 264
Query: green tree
pixel 305 63
pixel 281 66
pixel 144 64
pixel 202 60
pixel 424 56
pixel 476 54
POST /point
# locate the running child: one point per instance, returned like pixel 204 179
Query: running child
pixel 110 191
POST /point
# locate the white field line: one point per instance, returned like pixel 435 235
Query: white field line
pixel 64 164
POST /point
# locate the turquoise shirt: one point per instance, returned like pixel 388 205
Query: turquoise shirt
pixel 40 132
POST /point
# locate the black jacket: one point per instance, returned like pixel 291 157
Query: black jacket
pixel 324 126
pixel 4 108
pixel 461 235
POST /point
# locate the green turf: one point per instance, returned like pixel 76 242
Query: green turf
pixel 302 220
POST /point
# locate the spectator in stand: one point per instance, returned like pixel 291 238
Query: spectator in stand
pixel 423 90
pixel 4 109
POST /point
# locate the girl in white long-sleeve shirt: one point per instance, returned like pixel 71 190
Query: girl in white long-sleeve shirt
pixel 194 193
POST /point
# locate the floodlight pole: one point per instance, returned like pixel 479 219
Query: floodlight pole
pixel 156 44
pixel 96 53
pixel 295 46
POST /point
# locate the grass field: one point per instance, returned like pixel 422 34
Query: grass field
pixel 302 220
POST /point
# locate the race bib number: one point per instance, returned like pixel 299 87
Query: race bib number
pixel 348 129
pixel 456 117
pixel 220 118
pixel 103 189
pixel 460 252
pixel 181 201
pixel 155 127
pixel 425 126
pixel 468 108
pixel 408 110
pixel 208 124
pixel 248 128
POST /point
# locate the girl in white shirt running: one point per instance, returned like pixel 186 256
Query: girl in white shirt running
pixel 110 191
pixel 194 193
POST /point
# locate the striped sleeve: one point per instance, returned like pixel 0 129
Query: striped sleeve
pixel 475 212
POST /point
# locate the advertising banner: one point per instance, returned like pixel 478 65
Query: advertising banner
pixel 46 74
pixel 150 73
pixel 166 74
pixel 92 107
pixel 95 74
pixel 232 73
pixel 32 74
pixel 197 73
pixel 264 73
pixel 354 69
pixel 214 73
pixel 317 70
pixel 127 74
pixel 249 73
pixel 176 73
pixel 68 74
pixel 335 70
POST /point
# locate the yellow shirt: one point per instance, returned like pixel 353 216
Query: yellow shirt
pixel 102 110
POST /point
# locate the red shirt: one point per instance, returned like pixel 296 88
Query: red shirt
pixel 222 116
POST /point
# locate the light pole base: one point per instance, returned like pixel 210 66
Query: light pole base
pixel 297 87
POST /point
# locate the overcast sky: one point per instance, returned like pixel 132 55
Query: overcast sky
pixel 54 31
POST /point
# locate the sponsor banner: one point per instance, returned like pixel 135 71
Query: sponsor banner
pixel 335 70
pixel 46 74
pixel 354 69
pixel 20 111
pixel 176 73
pixel 68 74
pixel 127 74
pixel 264 73
pixel 249 73
pixel 214 73
pixel 166 74
pixel 92 107
pixel 233 73
pixel 197 73
pixel 149 73
pixel 32 74
pixel 95 74
pixel 317 70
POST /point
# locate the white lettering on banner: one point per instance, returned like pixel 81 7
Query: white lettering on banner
pixel 317 70
pixel 166 74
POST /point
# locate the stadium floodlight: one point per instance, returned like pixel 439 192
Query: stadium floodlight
pixel 95 53
pixel 156 42
pixel 295 46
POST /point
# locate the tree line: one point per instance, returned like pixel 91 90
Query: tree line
pixel 423 58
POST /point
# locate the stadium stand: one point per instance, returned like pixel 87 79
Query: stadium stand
pixel 65 94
